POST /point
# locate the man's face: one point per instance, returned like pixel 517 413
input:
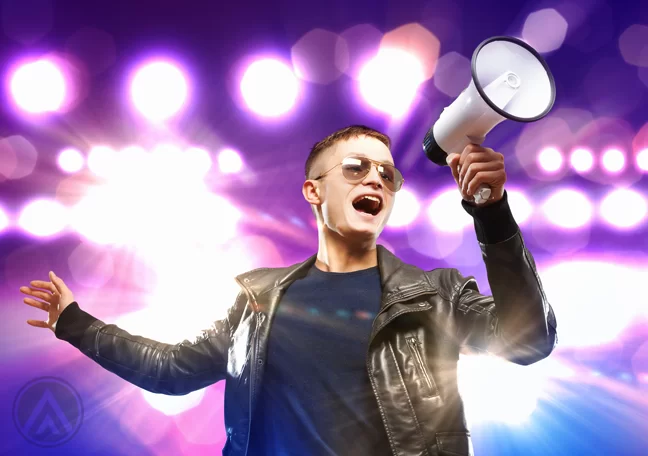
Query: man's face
pixel 337 195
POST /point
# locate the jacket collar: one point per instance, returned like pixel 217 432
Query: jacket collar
pixel 399 280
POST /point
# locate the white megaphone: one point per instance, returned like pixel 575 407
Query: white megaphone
pixel 510 80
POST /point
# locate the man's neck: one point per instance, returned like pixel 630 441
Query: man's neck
pixel 337 255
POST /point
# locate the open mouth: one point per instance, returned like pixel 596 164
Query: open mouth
pixel 368 204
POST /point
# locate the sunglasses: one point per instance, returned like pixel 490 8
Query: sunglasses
pixel 355 169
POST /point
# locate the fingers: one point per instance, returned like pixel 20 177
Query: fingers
pixel 38 304
pixel 481 178
pixel 475 169
pixel 453 162
pixel 45 296
pixel 49 286
pixel 38 323
pixel 58 283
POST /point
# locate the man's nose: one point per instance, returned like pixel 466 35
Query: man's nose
pixel 373 178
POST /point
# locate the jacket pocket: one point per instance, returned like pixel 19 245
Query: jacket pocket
pixel 431 388
pixel 454 444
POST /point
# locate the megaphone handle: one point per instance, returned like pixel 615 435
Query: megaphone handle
pixel 483 192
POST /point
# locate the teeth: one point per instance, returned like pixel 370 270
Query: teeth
pixel 372 198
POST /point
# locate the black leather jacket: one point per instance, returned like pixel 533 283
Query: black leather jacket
pixel 426 319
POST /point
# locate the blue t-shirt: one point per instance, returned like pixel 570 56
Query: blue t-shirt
pixel 316 397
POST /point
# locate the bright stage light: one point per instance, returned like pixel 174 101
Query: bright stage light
pixel 269 87
pixel 198 161
pixel 70 160
pixel 389 82
pixel 229 161
pixel 159 90
pixel 406 209
pixel 38 87
pixel 545 30
pixel 520 206
pixel 568 209
pixel 613 160
pixel 582 160
pixel 624 208
pixel 43 218
pixel 4 220
pixel 642 160
pixel 447 214
pixel 513 390
pixel 102 161
pixel 550 159
pixel 571 303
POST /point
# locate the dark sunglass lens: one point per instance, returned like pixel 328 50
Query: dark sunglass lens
pixel 355 168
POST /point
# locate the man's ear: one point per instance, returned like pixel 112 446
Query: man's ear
pixel 310 190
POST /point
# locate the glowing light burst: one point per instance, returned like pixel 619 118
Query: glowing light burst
pixel 229 161
pixel 159 90
pixel 513 390
pixel 406 209
pixel 570 303
pixel 642 160
pixel 568 209
pixel 389 82
pixel 43 218
pixel 4 220
pixel 38 87
pixel 70 160
pixel 613 160
pixel 624 208
pixel 550 159
pixel 447 214
pixel 582 160
pixel 269 87
pixel 150 197
pixel 520 206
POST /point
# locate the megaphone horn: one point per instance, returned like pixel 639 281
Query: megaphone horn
pixel 510 80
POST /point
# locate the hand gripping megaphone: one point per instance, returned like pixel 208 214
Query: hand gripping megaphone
pixel 510 80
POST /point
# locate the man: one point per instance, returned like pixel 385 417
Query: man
pixel 351 352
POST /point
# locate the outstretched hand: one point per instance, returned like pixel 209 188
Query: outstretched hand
pixel 475 166
pixel 53 297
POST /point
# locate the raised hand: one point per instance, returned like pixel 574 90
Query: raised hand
pixel 53 297
pixel 475 166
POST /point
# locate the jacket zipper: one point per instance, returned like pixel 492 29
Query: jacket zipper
pixel 413 344
pixel 369 372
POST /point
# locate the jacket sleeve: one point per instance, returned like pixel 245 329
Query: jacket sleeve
pixel 154 366
pixel 516 322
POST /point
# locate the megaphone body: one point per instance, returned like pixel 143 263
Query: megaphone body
pixel 510 80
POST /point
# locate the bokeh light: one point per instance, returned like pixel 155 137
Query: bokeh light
pixel 624 208
pixel 43 218
pixel 38 87
pixel 320 56
pixel 545 30
pixel 582 160
pixel 550 159
pixel 18 157
pixel 4 220
pixel 521 207
pixel 159 90
pixel 568 209
pixel 452 74
pixel 613 160
pixel 229 161
pixel 633 44
pixel 446 213
pixel 571 302
pixel 269 87
pixel 70 160
pixel 389 82
pixel 102 160
pixel 406 209
pixel 642 160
